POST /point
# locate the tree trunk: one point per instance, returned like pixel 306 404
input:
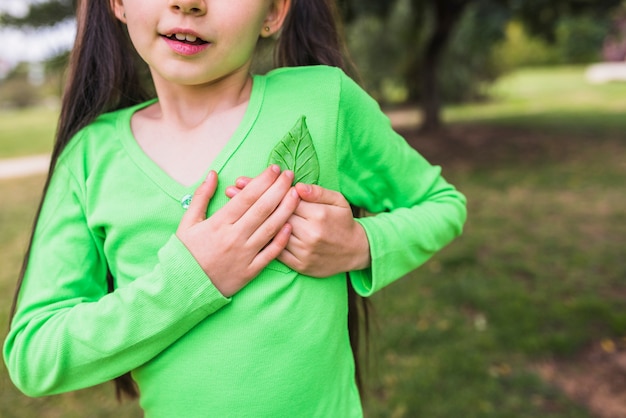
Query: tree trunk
pixel 447 15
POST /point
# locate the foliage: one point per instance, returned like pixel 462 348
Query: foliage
pixel 387 51
pixel 579 39
pixel 541 17
pixel 468 66
pixel 376 46
pixel 519 49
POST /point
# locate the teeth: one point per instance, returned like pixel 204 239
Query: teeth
pixel 185 37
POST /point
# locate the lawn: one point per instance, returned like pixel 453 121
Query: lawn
pixel 537 278
pixel 27 131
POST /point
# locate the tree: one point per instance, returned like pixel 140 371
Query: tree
pixel 446 17
pixel 432 25
pixel 429 27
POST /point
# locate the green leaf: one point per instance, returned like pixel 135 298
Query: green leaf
pixel 296 152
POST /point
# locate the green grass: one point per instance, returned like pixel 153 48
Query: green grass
pixel 558 101
pixel 538 273
pixel 27 132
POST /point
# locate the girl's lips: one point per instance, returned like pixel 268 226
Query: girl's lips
pixel 184 47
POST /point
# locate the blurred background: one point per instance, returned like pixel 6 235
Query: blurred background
pixel 523 104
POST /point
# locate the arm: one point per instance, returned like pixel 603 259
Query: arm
pixel 418 212
pixel 68 333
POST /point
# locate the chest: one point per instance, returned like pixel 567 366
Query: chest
pixel 185 153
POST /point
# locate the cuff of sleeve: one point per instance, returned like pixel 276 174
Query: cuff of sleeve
pixel 364 281
pixel 178 263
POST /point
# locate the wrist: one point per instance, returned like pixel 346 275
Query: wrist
pixel 362 257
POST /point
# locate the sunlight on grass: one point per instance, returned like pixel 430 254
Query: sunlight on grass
pixel 557 100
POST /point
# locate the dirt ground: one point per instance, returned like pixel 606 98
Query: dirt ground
pixel 595 377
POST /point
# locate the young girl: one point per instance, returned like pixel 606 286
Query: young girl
pixel 222 301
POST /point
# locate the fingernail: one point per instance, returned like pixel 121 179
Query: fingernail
pixel 307 188
pixel 275 168
pixel 289 174
pixel 294 193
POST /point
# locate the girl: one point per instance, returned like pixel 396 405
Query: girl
pixel 222 301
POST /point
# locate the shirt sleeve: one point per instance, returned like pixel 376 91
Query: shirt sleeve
pixel 68 332
pixel 417 211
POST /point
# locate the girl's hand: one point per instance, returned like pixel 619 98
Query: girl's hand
pixel 325 239
pixel 240 239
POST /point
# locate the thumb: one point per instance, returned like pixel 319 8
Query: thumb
pixel 316 194
pixel 196 212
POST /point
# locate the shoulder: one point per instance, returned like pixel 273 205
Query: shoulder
pixel 98 141
pixel 100 134
pixel 314 76
pixel 318 84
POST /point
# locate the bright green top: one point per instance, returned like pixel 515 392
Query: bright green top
pixel 279 347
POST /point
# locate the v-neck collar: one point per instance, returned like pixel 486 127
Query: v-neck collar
pixel 153 171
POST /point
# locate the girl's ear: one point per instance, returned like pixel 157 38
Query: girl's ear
pixel 275 17
pixel 117 6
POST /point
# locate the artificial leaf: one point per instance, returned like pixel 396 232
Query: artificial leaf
pixel 296 152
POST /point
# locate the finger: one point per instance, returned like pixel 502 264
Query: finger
pixel 239 185
pixel 289 259
pixel 244 200
pixel 232 191
pixel 196 212
pixel 271 250
pixel 316 194
pixel 299 222
pixel 242 182
pixel 266 230
pixel 258 212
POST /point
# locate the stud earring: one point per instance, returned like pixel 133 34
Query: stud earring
pixel 267 29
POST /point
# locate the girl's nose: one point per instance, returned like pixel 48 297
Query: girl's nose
pixel 194 7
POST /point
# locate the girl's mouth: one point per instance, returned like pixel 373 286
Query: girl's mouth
pixel 186 38
pixel 186 44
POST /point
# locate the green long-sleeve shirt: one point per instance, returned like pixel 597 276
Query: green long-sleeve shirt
pixel 277 348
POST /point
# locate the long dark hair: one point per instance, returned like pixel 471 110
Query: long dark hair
pixel 105 74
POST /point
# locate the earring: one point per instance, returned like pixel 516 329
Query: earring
pixel 267 29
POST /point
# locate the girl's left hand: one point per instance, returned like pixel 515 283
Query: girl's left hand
pixel 325 238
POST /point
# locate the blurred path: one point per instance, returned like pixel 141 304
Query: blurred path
pixel 24 166
pixel 38 164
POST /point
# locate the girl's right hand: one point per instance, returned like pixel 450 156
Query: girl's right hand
pixel 240 239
